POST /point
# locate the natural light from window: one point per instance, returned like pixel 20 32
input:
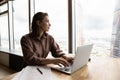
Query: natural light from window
pixel 58 15
pixel 97 24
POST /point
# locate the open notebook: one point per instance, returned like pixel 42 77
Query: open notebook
pixel 35 73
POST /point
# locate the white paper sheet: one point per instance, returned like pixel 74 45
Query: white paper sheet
pixel 31 73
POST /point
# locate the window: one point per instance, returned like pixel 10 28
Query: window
pixel 97 24
pixel 65 22
pixel 58 18
pixel 77 25
pixel 115 43
pixel 4 31
pixel 4 38
pixel 21 21
pixel 14 24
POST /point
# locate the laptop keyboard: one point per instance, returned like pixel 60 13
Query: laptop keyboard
pixel 62 68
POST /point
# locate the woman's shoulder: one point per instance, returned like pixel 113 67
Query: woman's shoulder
pixel 49 36
pixel 25 37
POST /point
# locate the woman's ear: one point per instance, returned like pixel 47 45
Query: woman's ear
pixel 38 22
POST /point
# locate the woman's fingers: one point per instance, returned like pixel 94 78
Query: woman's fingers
pixel 68 58
pixel 61 62
pixel 64 62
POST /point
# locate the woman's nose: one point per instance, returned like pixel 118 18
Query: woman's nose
pixel 49 24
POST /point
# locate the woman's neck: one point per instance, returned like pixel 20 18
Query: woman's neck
pixel 40 33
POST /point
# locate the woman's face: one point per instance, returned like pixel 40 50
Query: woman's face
pixel 45 24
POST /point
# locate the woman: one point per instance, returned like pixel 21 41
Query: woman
pixel 37 44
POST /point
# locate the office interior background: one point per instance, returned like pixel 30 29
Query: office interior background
pixel 73 23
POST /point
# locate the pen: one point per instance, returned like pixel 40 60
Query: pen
pixel 40 71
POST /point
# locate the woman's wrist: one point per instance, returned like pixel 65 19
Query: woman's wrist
pixel 64 56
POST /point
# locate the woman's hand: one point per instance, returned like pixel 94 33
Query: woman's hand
pixel 69 58
pixel 59 61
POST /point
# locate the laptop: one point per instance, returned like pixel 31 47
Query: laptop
pixel 81 58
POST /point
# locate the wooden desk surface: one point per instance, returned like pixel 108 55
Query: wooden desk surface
pixel 100 68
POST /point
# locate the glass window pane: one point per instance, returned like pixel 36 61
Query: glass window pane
pixel 97 24
pixel 4 31
pixel 3 8
pixel 78 24
pixel 58 14
pixel 21 23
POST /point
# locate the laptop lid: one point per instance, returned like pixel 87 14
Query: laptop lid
pixel 81 57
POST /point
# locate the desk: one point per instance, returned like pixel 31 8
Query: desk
pixel 100 68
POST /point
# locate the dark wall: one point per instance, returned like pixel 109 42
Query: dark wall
pixel 16 62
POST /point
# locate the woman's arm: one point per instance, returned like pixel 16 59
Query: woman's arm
pixel 31 57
